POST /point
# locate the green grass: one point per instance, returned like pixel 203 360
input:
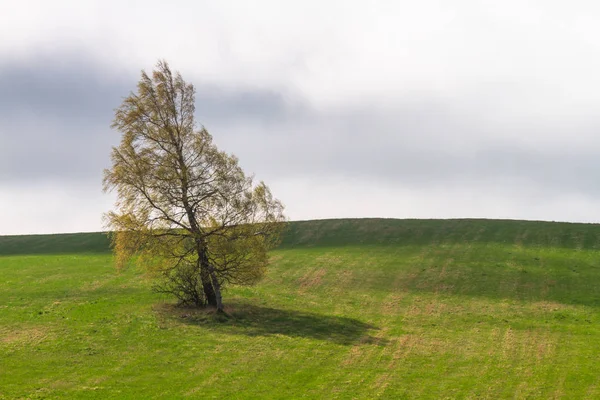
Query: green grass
pixel 349 309
pixel 64 243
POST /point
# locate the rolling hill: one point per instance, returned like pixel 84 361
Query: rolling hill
pixel 365 308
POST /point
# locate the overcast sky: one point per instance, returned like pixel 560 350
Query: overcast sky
pixel 426 109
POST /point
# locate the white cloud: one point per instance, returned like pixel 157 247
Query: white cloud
pixel 51 207
pixel 331 51
pixel 497 198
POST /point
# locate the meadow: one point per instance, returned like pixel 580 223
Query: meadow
pixel 349 309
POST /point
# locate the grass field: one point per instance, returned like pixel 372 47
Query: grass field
pixel 349 309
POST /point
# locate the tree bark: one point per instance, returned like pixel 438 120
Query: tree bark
pixel 209 291
pixel 205 277
pixel 210 282
pixel 217 287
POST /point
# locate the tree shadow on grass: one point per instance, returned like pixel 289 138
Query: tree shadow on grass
pixel 252 320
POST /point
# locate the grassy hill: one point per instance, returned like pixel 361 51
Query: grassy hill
pixel 64 243
pixel 348 232
pixel 367 308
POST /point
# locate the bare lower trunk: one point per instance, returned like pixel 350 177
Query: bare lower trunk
pixel 205 276
pixel 211 284
pixel 207 286
pixel 217 288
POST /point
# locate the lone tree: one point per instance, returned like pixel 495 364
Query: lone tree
pixel 185 210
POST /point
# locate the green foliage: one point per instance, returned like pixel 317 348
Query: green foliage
pixel 349 309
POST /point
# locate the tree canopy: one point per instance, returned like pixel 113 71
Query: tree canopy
pixel 185 209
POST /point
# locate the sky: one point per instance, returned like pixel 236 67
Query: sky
pixel 399 109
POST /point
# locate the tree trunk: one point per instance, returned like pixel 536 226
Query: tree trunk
pixel 209 291
pixel 217 286
pixel 205 277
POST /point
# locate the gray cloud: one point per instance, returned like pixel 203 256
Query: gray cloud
pixel 214 103
pixel 56 116
pixel 70 89
pixel 54 119
pixel 423 145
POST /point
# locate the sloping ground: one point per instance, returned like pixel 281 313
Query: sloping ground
pixel 63 243
pixel 380 231
pixel 370 308
pixel 348 232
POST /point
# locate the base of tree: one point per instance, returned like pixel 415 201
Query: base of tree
pixel 192 312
